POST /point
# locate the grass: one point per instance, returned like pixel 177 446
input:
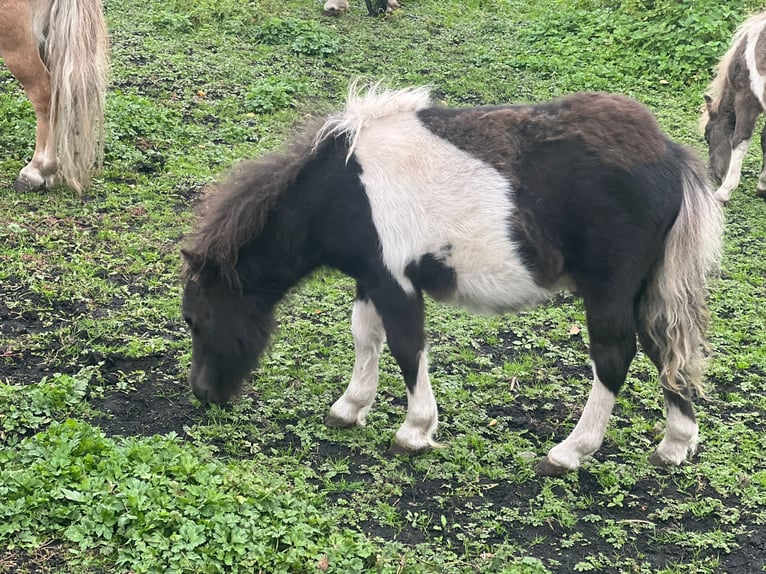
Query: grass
pixel 109 465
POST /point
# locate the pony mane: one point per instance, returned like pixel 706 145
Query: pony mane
pixel 367 103
pixel 234 213
pixel 716 87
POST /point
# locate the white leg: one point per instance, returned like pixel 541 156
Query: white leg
pixel 417 432
pixel 680 440
pixel 587 435
pixel 335 7
pixel 731 181
pixel 369 335
pixel 761 189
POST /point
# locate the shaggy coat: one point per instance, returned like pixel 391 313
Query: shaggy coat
pixel 491 208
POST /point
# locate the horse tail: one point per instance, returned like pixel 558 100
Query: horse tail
pixel 76 53
pixel 673 311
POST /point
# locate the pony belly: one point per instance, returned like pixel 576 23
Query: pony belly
pixel 499 293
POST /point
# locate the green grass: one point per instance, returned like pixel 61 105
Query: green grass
pixel 107 464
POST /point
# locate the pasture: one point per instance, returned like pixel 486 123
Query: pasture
pixel 109 464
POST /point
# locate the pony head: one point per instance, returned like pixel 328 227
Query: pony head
pixel 230 327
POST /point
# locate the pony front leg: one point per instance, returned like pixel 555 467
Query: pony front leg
pixel 369 335
pixel 417 432
pixel 402 314
pixel 733 174
pixel 761 189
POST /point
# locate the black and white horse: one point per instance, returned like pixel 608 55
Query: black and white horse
pixel 734 100
pixel 491 208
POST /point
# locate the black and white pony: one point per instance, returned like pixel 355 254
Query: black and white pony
pixel 491 208
pixel 734 100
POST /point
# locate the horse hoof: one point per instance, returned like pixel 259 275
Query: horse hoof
pixel 337 423
pixel 660 462
pixel 396 449
pixel 24 185
pixel 547 468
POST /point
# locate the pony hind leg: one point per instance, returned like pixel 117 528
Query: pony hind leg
pixel 681 438
pixel 19 49
pixel 369 335
pixel 613 346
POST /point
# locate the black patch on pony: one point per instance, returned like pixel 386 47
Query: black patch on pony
pixel 433 275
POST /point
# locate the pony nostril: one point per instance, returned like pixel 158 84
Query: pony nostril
pixel 200 393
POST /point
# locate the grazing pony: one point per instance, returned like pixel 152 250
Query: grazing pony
pixel 374 7
pixel 491 208
pixel 58 50
pixel 733 101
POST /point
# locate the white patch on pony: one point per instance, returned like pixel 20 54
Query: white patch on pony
pixel 417 432
pixel 731 181
pixel 589 431
pixel 428 196
pixel 757 81
pixel 369 335
pixel 366 105
pixel 680 440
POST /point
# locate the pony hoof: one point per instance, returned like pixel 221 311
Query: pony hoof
pixel 396 449
pixel 335 422
pixel 24 185
pixel 657 460
pixel 547 468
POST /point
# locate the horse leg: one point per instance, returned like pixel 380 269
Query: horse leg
pixel 613 346
pixel 22 57
pixel 761 190
pixel 402 315
pixel 369 335
pixel 681 433
pixel 746 113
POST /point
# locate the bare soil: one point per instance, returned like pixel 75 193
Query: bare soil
pixel 164 405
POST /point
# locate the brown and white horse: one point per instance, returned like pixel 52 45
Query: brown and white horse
pixel 490 208
pixel 59 51
pixel 733 101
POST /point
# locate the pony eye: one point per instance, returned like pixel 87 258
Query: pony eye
pixel 188 321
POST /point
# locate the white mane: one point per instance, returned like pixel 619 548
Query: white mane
pixel 365 104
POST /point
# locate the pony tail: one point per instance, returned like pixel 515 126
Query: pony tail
pixel 77 56
pixel 674 309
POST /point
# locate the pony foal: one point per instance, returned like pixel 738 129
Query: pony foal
pixel 491 208
pixel 734 100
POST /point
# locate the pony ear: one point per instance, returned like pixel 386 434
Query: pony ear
pixel 191 258
pixel 708 101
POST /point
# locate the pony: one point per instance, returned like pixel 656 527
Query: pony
pixel 374 7
pixel 493 208
pixel 733 101
pixel 59 51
